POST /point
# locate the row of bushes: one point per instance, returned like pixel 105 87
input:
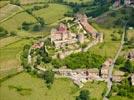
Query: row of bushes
pixel 34 26
pixel 4 32
pixel 34 8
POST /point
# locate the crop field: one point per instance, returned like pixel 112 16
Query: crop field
pixel 10 54
pixel 53 13
pixel 62 89
pixel 15 22
pixel 3 3
pixel 9 10
pixel 25 2
pixel 8 40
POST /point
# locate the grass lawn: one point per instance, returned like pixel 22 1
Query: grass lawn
pixel 8 40
pixel 3 3
pixel 62 89
pixel 9 10
pixel 15 22
pixel 10 54
pixel 53 13
pixel 130 34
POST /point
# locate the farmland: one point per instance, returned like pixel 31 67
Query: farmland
pixel 10 53
pixel 9 10
pixel 3 3
pixel 12 24
pixel 56 12
pixel 61 89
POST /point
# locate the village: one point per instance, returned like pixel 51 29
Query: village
pixel 66 49
pixel 62 37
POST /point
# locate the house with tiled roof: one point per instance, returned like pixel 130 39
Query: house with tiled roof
pixel 83 20
pixel 105 68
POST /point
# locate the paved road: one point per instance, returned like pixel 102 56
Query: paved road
pixel 109 82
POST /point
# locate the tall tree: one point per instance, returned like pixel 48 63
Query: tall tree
pixel 128 66
pixel 84 95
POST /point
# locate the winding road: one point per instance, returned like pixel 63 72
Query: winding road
pixel 109 81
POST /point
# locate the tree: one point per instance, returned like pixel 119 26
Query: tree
pixel 13 33
pixel 3 32
pixel 57 63
pixel 38 60
pixel 49 76
pixel 41 21
pixel 37 27
pixel 128 66
pixel 120 60
pixel 84 95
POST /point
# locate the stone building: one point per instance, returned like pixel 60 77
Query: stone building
pixel 81 38
pixel 83 20
pixel 132 79
pixel 60 33
pixel 130 55
pixel 105 68
pixel 129 2
pixel 61 36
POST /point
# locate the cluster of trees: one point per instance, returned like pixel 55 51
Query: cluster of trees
pixel 42 56
pixel 124 89
pixel 80 60
pixel 84 95
pixel 4 32
pixel 126 15
pixel 97 7
pixel 34 8
pixel 24 58
pixel 15 2
pixel 126 65
pixel 49 77
pixel 84 60
pixel 34 26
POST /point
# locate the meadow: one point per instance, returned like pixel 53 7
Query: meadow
pixel 62 89
pixel 12 24
pixel 9 10
pixel 3 3
pixel 109 47
pixel 53 13
pixel 10 53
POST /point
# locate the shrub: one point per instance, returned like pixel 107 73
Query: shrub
pixel 3 32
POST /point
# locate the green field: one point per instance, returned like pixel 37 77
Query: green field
pixel 108 48
pixel 53 13
pixel 10 54
pixel 3 3
pixel 15 22
pixel 62 89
